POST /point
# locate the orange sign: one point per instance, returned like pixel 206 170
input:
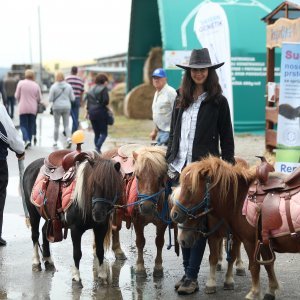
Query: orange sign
pixel 283 30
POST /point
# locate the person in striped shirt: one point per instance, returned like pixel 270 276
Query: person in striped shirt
pixel 78 88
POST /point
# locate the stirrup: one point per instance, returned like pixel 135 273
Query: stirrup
pixel 257 253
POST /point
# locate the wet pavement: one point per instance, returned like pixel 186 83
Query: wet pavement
pixel 17 281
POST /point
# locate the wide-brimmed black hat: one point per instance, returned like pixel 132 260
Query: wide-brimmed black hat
pixel 200 59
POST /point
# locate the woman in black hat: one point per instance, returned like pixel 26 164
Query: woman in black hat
pixel 200 126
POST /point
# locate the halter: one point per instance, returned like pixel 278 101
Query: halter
pixel 190 212
pixel 104 200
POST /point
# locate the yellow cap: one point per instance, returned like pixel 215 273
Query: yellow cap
pixel 78 137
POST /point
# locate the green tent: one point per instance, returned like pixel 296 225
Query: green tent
pixel 170 24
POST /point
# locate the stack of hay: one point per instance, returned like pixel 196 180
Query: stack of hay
pixel 138 102
pixel 116 98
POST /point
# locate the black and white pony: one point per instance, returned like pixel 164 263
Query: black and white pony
pixel 98 187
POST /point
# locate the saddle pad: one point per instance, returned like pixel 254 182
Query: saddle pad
pixel 131 195
pixel 250 211
pixel 39 191
pixel 126 150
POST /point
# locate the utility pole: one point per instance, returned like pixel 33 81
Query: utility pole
pixel 40 44
pixel 30 47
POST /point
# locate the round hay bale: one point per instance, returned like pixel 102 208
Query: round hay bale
pixel 116 98
pixel 138 102
pixel 153 61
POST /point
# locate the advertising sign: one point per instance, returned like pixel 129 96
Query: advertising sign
pixel 283 30
pixel 288 130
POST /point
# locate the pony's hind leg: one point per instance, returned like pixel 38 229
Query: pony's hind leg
pixel 48 262
pixel 240 269
pixel 35 223
pixel 254 268
pixel 116 246
pixel 159 241
pixel 220 257
pixel 273 283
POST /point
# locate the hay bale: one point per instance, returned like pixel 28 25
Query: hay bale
pixel 116 98
pixel 138 102
pixel 153 61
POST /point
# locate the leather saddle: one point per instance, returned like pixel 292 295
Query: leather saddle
pixel 267 191
pixel 59 170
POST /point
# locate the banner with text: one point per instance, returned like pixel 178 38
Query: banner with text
pixel 288 130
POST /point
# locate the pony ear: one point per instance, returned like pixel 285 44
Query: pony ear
pixel 118 166
pixel 135 155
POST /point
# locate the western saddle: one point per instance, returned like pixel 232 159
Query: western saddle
pixel 59 171
pixel 267 191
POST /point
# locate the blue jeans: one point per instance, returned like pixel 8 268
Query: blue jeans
pixel 162 137
pixel 75 113
pixel 100 130
pixel 11 105
pixel 27 125
pixel 192 258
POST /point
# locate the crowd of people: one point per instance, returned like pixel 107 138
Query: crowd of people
pixel 191 123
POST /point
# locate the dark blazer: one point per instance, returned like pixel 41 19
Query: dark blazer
pixel 213 131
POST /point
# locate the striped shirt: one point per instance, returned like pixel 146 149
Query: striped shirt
pixel 77 84
pixel 188 128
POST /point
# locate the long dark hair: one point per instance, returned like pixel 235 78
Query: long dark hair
pixel 187 89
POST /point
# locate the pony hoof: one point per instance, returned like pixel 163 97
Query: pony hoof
pixel 76 279
pixel 269 297
pixel 228 286
pixel 240 272
pixel 141 274
pixel 36 267
pixel 210 290
pixel 158 273
pixel 49 266
pixel 219 267
pixel 120 256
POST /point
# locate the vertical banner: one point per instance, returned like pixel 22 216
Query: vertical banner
pixel 288 130
pixel 212 30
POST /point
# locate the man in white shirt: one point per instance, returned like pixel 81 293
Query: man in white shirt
pixel 162 107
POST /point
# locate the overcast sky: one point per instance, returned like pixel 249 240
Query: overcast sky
pixel 72 30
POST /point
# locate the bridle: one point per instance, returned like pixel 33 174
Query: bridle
pixel 205 203
pixel 112 203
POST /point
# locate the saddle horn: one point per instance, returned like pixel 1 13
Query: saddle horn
pixel 263 170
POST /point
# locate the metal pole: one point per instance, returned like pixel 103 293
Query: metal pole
pixel 40 44
pixel 30 47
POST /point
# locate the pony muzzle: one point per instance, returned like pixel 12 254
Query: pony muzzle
pixel 147 208
pixel 177 215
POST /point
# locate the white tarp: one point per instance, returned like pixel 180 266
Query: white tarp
pixel 212 30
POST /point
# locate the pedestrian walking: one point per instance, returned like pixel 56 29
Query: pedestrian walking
pixel 162 106
pixel 78 88
pixel 61 95
pixel 10 85
pixel 28 95
pixel 9 138
pixel 97 102
pixel 200 122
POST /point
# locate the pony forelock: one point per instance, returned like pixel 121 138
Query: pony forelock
pixel 151 158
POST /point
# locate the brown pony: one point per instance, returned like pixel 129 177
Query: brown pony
pixel 226 187
pixel 193 227
pixel 150 171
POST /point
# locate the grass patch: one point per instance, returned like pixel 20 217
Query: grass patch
pixel 130 128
